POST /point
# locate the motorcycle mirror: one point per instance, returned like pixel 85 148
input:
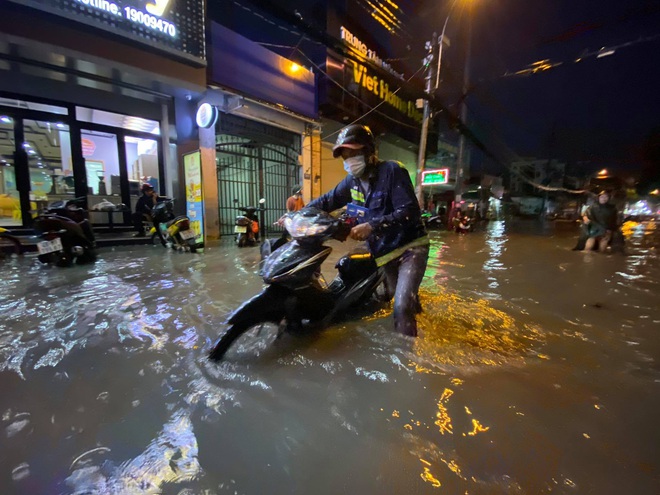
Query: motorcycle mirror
pixel 262 201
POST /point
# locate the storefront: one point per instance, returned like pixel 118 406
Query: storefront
pixel 92 100
pixel 38 141
pixel 262 135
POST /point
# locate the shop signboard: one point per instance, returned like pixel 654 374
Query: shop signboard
pixel 364 81
pixel 174 26
pixel 251 69
pixel 434 177
pixel 192 167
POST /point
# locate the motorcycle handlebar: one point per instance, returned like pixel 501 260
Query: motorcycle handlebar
pixel 344 226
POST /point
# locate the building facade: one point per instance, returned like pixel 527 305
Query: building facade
pixel 95 98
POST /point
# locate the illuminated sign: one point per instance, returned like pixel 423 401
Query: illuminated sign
pixel 88 147
pixel 433 177
pixel 367 52
pixel 380 88
pixel 192 167
pixel 206 116
pixel 176 26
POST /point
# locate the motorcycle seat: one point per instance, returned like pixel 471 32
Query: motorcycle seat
pixel 177 219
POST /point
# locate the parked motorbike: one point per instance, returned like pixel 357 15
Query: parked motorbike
pixel 247 225
pixel 66 232
pixel 9 244
pixel 172 230
pixel 296 296
pixel 430 220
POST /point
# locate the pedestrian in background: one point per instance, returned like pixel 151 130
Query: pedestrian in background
pixel 600 222
pixel 295 201
pixel 389 219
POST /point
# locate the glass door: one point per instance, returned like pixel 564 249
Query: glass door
pixel 142 165
pixel 103 167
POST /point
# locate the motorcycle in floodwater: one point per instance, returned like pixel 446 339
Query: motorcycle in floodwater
pixel 247 224
pixel 66 232
pixel 463 224
pixel 296 296
pixel 172 230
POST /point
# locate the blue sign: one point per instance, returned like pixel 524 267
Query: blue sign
pixel 256 72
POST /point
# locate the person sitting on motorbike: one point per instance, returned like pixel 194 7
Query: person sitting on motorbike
pixel 461 222
pixel 143 207
pixel 600 222
pixel 389 219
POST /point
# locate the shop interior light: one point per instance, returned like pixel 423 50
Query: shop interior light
pixel 5 120
pixel 140 124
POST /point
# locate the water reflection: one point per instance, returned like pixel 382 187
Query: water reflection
pixel 495 242
pixel 543 386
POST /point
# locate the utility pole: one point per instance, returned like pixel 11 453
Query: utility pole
pixel 430 62
pixel 462 145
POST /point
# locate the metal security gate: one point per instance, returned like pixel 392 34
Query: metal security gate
pixel 249 170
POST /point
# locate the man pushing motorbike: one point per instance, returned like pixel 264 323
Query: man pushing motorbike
pixel 381 195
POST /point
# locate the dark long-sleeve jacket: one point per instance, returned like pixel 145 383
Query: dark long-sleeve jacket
pixel 603 218
pixel 145 204
pixel 393 210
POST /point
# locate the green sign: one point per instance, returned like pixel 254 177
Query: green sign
pixel 432 177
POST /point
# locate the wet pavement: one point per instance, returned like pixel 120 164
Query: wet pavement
pixel 536 371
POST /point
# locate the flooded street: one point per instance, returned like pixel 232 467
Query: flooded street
pixel 536 371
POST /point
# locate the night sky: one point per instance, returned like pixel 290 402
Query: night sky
pixel 593 113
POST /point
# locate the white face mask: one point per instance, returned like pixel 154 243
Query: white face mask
pixel 355 165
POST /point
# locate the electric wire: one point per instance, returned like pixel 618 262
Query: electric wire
pixel 533 68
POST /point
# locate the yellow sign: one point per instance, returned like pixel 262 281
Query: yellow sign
pixel 381 88
pixel 192 168
pixel 158 7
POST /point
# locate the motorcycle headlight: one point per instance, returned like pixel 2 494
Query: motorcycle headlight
pixel 300 226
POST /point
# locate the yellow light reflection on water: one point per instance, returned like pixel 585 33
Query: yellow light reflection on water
pixel 443 420
pixel 456 330
pixel 477 428
pixel 429 478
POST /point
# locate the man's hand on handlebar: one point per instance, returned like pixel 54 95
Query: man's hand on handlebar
pixel 361 232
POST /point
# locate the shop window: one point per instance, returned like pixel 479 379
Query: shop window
pixel 10 206
pixel 111 119
pixel 48 149
pixel 28 105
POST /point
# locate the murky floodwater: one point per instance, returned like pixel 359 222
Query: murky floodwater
pixel 536 371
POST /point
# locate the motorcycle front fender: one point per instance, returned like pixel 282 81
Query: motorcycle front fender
pixel 268 305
